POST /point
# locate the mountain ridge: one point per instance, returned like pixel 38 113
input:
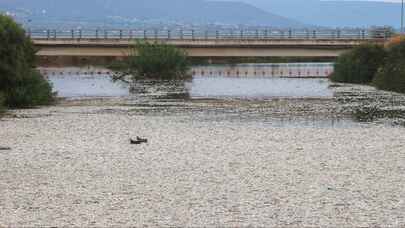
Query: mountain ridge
pixel 187 11
pixel 335 13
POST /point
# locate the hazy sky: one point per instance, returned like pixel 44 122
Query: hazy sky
pixel 372 0
pixel 387 0
pixel 344 0
pixel 397 1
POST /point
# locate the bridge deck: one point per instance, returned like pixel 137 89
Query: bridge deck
pixel 205 48
pixel 212 43
pixel 338 43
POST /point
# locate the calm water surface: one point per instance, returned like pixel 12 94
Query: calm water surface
pixel 200 87
pixel 259 88
pixel 250 81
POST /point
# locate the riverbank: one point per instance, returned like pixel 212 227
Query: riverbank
pixel 207 163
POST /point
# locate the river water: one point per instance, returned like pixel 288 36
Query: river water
pixel 278 94
pixel 76 86
pixel 244 81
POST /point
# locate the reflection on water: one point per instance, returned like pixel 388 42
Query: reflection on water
pixel 200 87
pixel 100 85
pixel 293 70
pixel 87 86
pixel 214 81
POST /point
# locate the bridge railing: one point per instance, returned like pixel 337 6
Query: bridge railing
pixel 210 34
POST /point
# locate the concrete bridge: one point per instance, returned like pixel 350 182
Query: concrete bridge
pixel 263 43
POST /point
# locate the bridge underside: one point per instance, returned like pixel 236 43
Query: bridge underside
pixel 198 52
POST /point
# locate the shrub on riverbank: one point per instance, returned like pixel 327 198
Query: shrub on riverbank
pixel 32 90
pixel 359 65
pixel 392 75
pixel 2 107
pixel 20 84
pixel 153 61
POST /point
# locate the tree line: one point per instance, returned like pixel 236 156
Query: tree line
pixel 382 66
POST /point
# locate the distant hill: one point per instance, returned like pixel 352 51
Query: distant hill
pixel 335 13
pixel 187 11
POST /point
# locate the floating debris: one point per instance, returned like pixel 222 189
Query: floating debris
pixel 138 141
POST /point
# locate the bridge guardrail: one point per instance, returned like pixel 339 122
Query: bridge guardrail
pixel 211 34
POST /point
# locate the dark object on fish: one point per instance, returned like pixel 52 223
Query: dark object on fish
pixel 138 141
pixel 5 148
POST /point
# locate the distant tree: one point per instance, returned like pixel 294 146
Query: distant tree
pixel 20 84
pixel 152 61
pixel 359 65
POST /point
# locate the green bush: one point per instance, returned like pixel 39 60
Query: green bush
pixel 392 75
pixel 32 90
pixel 20 84
pixel 153 61
pixel 2 104
pixel 359 65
